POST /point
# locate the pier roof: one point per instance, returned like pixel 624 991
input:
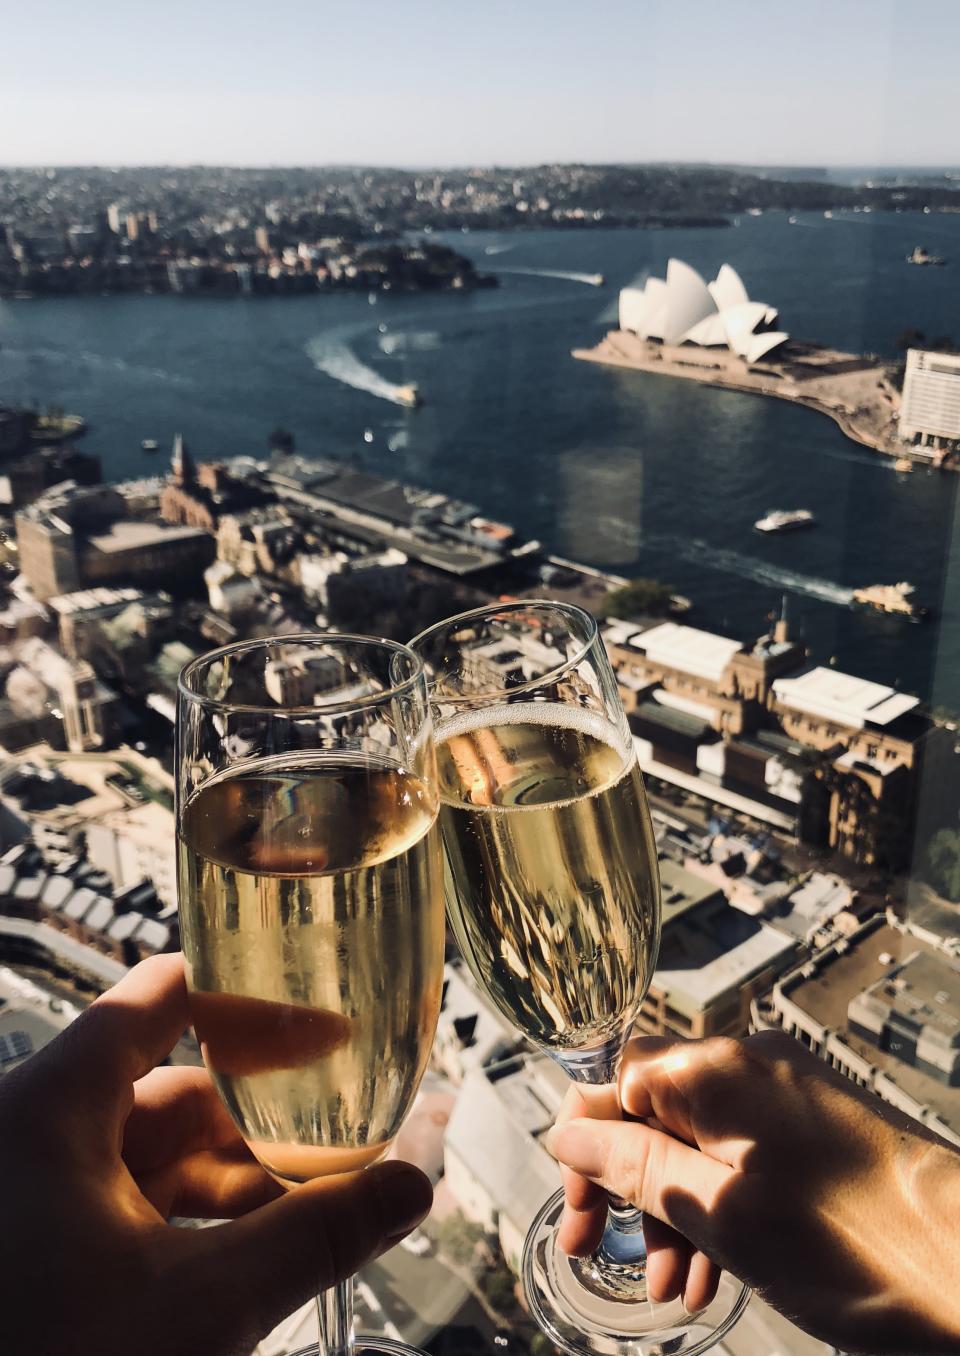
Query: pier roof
pixel 688 649
pixel 851 701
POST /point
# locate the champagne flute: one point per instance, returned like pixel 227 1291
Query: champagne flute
pixel 311 901
pixel 553 895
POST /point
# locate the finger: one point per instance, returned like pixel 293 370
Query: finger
pixel 603 1103
pixel 91 1066
pixel 584 1215
pixel 253 1272
pixel 585 1208
pixel 581 1194
pixel 703 1277
pixel 175 1112
pixel 219 1183
pixel 654 1171
pixel 668 1259
pixel 647 1087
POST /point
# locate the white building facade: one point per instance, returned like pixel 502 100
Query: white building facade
pixel 930 408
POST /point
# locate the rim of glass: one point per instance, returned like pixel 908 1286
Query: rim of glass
pixel 519 605
pixel 314 638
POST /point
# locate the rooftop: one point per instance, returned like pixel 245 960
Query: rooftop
pixel 128 534
pixel 421 524
pixel 493 1130
pixel 682 891
pixel 685 648
pixel 925 990
pixel 815 903
pixel 89 600
pixel 844 698
pixel 704 957
pixel 846 971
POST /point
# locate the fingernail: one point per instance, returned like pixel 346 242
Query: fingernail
pixel 404 1196
pixel 576 1146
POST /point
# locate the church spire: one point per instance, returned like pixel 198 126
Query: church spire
pixel 781 629
pixel 182 461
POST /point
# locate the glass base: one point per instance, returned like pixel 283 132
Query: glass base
pixel 362 1344
pixel 586 1311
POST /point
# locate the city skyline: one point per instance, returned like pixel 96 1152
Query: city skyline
pixel 838 86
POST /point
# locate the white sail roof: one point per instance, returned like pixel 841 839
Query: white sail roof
pixel 683 309
pixel 727 288
pixel 687 301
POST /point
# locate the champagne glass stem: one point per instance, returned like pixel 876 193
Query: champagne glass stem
pixel 622 1244
pixel 335 1316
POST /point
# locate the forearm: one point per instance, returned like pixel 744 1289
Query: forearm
pixel 924 1260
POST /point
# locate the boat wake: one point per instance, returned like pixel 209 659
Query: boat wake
pixel 498 249
pixel 409 341
pixel 97 362
pixel 331 354
pixel 590 279
pixel 749 567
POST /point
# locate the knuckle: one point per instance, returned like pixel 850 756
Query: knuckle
pixel 628 1166
pixel 725 1051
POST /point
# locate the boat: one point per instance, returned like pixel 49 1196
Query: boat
pixel 920 255
pixel 596 279
pixel 894 599
pixel 409 395
pixel 903 464
pixel 792 221
pixel 149 444
pixel 828 215
pixel 784 520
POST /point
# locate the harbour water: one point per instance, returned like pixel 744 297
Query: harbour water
pixel 633 472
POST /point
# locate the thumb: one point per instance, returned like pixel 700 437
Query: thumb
pixel 253 1272
pixel 655 1172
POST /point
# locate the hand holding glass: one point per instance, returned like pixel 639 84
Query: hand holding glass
pixel 311 899
pixel 554 898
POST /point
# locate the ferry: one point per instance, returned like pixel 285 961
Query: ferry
pixel 904 465
pixel 149 444
pixel 409 395
pixel 920 255
pixel 894 599
pixel 784 520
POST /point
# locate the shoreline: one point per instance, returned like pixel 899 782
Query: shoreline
pixel 848 388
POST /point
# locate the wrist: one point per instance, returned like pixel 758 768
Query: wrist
pixel 929 1283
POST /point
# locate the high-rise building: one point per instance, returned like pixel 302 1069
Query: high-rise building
pixel 113 217
pixel 133 225
pixel 262 237
pixel 930 409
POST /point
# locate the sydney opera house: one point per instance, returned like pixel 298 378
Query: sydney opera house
pixel 683 309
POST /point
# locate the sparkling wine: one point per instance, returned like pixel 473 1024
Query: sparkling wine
pixel 552 889
pixel 311 907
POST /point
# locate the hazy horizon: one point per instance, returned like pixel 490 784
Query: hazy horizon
pixel 413 167
pixel 832 83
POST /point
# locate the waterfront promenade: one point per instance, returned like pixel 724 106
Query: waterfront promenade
pixel 852 390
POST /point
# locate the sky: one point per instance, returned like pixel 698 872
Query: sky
pixel 446 82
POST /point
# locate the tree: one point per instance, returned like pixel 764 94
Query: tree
pixel 500 1287
pixel 639 598
pixel 943 864
pixel 281 440
pixel 458 1237
pixel 911 338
